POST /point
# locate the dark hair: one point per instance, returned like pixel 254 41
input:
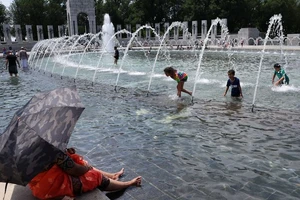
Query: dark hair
pixel 169 70
pixel 231 71
pixel 276 65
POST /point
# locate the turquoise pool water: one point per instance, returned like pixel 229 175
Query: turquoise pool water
pixel 214 148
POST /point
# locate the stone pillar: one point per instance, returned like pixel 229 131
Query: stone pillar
pixel 203 29
pixel 185 30
pixel 50 31
pixel 92 22
pixel 7 35
pixel 18 33
pixel 157 28
pixel 148 33
pixel 60 31
pixel 194 29
pixel 213 31
pixel 128 28
pixel 73 25
pixel 139 35
pixel 176 33
pixel 40 33
pixel 224 23
pixel 245 33
pixel 29 33
pixel 119 27
pixel 166 26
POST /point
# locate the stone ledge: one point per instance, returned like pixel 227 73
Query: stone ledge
pixel 16 192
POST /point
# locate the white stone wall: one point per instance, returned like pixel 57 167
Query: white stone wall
pixel 74 8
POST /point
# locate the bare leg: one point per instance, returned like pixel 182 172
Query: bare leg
pixel 180 88
pixel 186 91
pixel 114 176
pixel 119 185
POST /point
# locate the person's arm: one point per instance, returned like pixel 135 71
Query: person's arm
pixel 6 64
pixel 70 167
pixel 273 78
pixel 18 62
pixel 227 87
pixel 279 81
pixel 241 93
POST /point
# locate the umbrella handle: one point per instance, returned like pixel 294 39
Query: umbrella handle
pixel 5 189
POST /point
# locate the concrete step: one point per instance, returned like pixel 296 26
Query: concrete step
pixel 17 192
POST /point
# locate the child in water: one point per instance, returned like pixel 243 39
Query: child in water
pixel 180 77
pixel 234 82
pixel 281 75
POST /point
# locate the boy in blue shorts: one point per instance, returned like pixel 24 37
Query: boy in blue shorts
pixel 234 82
pixel 282 77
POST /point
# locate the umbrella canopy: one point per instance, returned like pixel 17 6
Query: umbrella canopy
pixel 37 132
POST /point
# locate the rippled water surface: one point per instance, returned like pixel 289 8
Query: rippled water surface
pixel 213 148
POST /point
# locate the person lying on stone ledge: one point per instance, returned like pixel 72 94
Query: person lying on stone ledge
pixel 70 176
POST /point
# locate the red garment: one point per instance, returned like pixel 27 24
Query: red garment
pixel 57 183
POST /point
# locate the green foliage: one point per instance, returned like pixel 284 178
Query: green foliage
pixel 3 18
pixel 38 12
pixel 239 13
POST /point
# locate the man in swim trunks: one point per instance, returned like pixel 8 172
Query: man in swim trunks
pixel 11 64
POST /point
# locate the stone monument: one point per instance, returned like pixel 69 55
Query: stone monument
pixel 119 27
pixel 7 35
pixel 203 29
pixel 50 31
pixel 245 33
pixel 29 36
pixel 194 30
pixel 74 8
pixel 166 26
pixel 139 35
pixel 40 32
pixel 18 33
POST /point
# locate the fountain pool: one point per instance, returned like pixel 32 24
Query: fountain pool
pixel 136 73
pixel 213 148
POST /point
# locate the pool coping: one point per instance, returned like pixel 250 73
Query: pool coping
pixel 17 192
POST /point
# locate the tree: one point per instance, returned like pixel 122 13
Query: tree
pixel 38 12
pixel 3 18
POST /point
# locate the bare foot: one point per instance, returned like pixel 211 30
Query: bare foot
pixel 68 198
pixel 117 175
pixel 137 181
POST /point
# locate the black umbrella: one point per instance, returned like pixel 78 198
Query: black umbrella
pixel 37 132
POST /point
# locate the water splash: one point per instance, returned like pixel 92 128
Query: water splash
pixel 108 31
pixel 54 47
pixel 62 49
pixel 273 20
pixel 174 24
pixel 128 45
pixel 70 51
pixel 85 49
pixel 225 33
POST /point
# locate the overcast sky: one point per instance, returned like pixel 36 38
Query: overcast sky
pixel 6 2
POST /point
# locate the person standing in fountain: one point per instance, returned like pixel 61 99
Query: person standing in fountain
pixel 281 75
pixel 116 56
pixel 23 58
pixel 234 82
pixel 11 63
pixel 179 77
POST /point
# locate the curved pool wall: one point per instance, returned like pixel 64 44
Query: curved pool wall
pixel 215 148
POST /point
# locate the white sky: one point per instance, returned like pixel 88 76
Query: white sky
pixel 6 2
